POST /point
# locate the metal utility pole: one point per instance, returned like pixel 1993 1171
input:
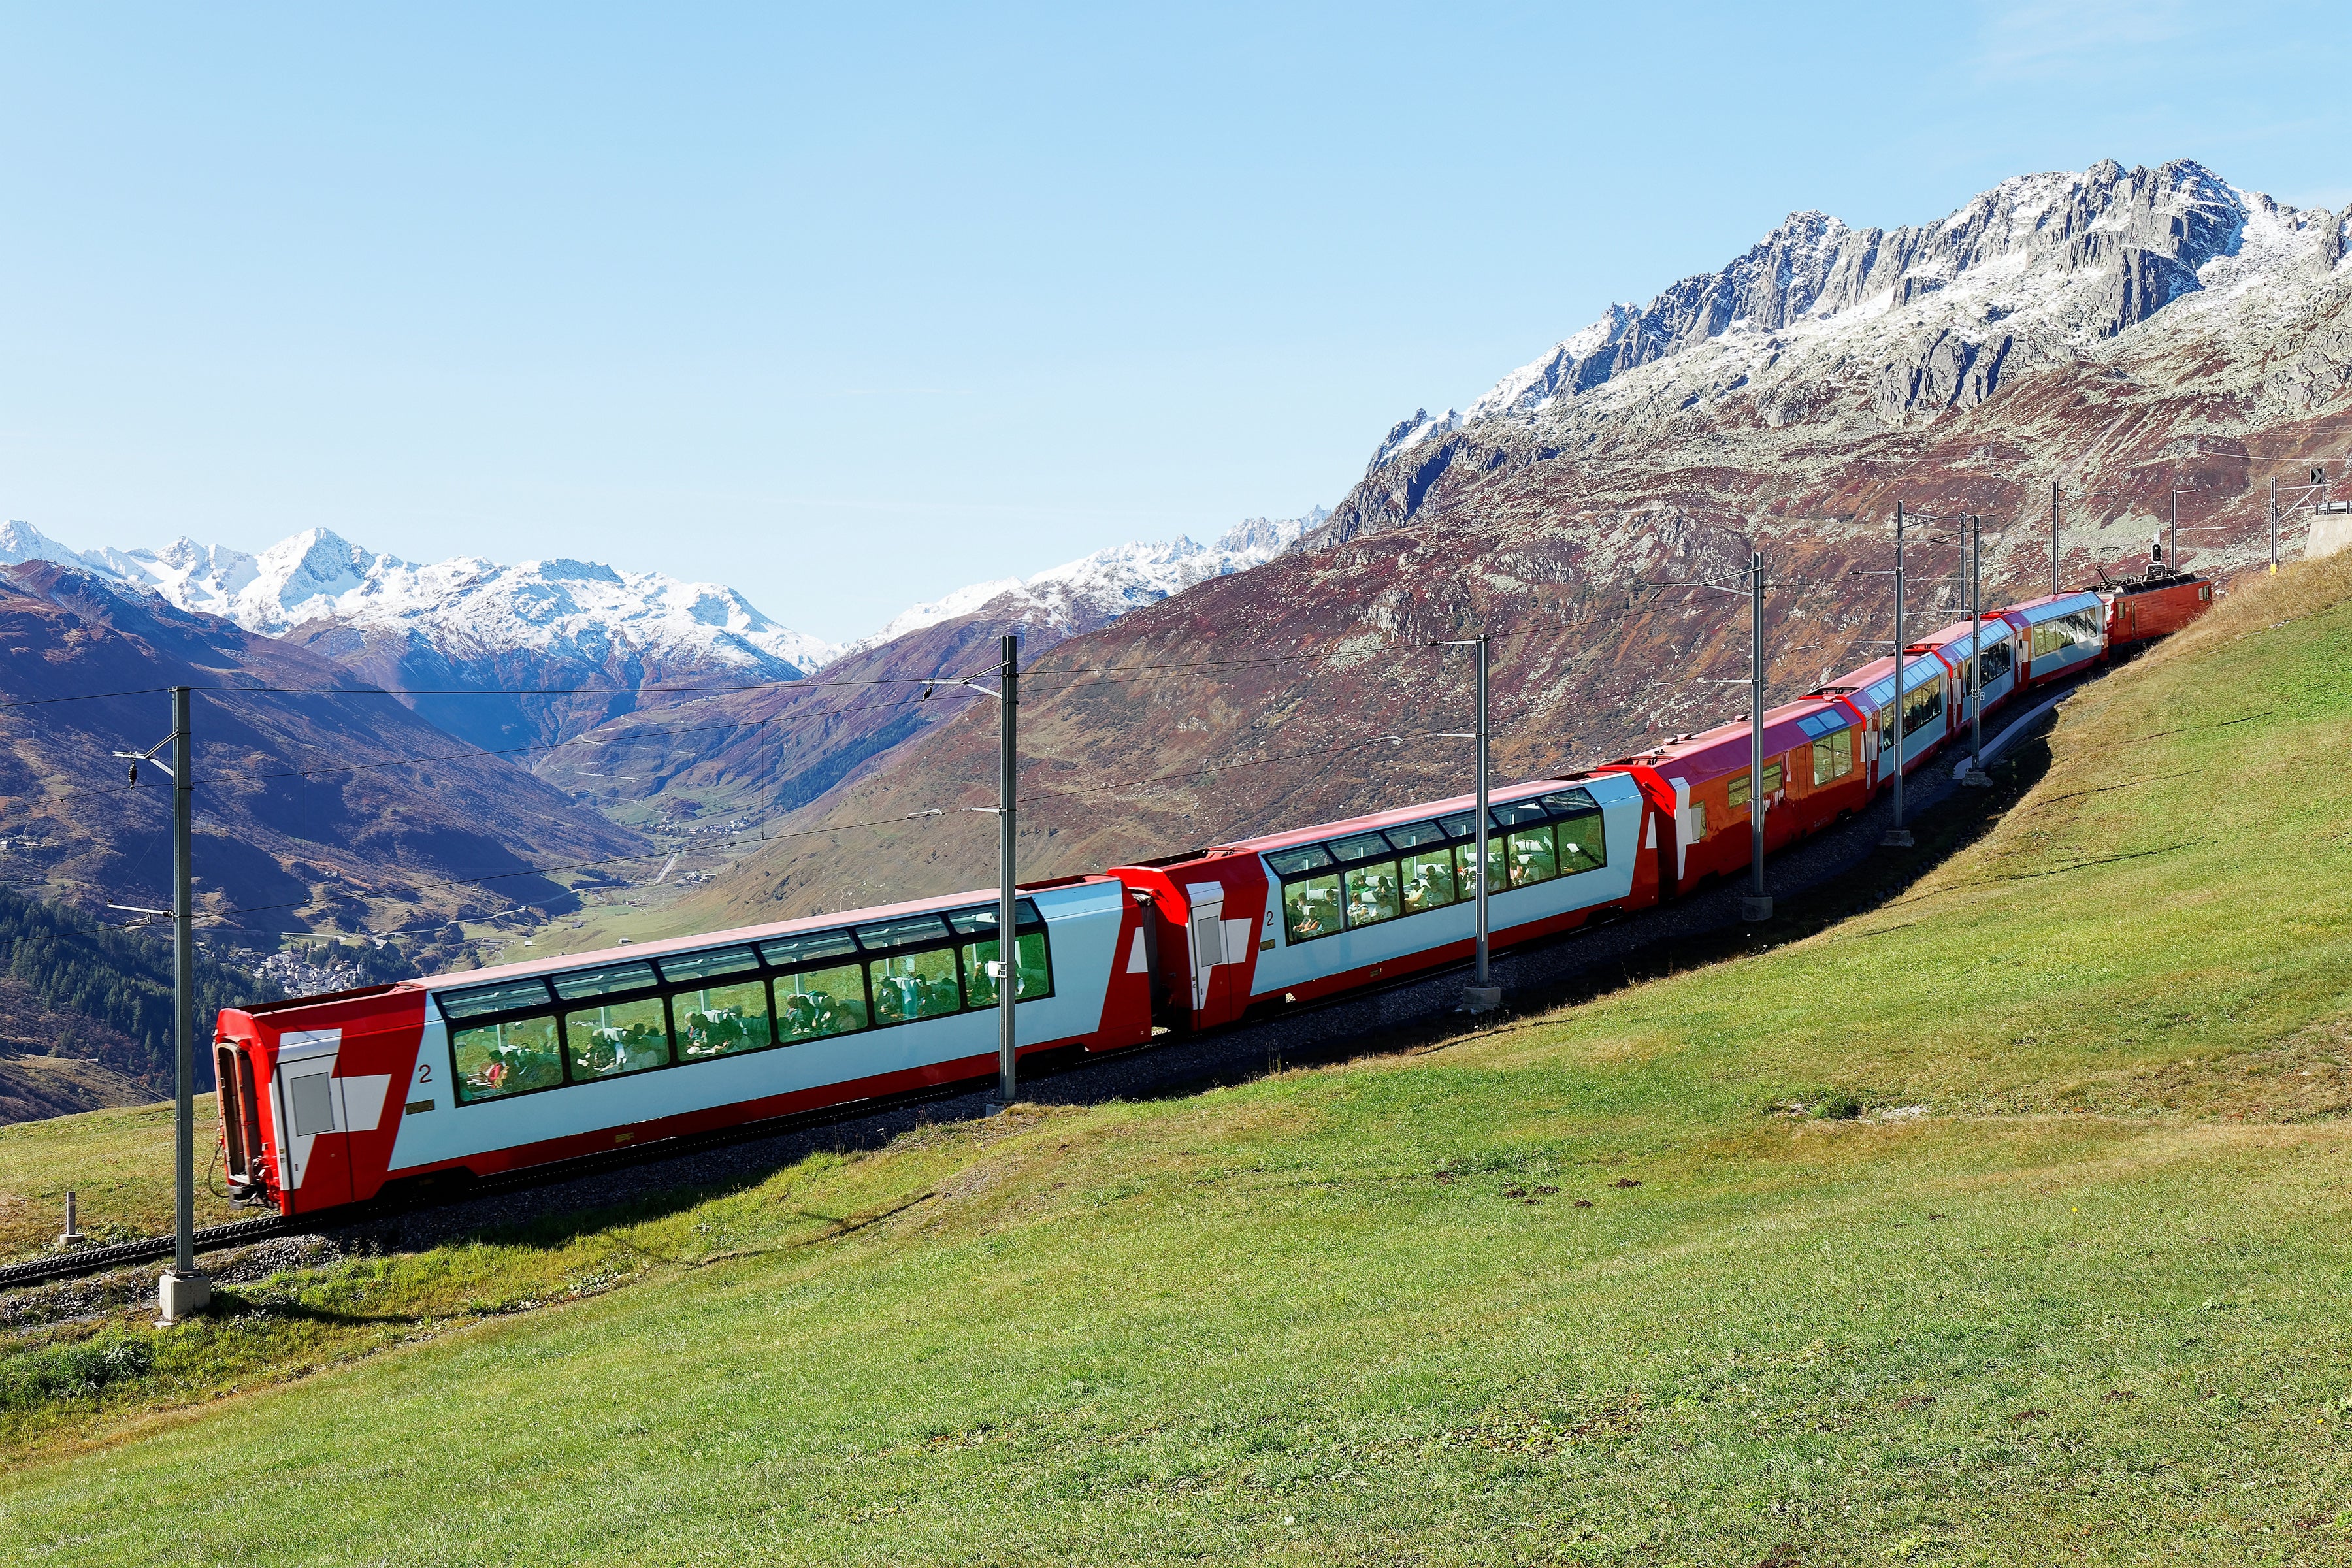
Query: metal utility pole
pixel 2273 524
pixel 1758 905
pixel 1975 777
pixel 1898 837
pixel 1008 913
pixel 2053 536
pixel 2172 533
pixel 184 1293
pixel 1484 995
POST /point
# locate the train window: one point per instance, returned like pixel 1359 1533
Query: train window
pixel 908 931
pixel 1531 856
pixel 1465 856
pixel 786 951
pixel 1416 834
pixel 1291 862
pixel 981 921
pixel 710 965
pixel 1583 843
pixel 1427 880
pixel 1737 791
pixel 610 980
pixel 1698 821
pixel 914 986
pixel 1922 707
pixel 514 997
pixel 1570 803
pixel 720 1020
pixel 1371 892
pixel 816 1002
pixel 1462 824
pixel 1357 846
pixel 1033 974
pixel 1833 756
pixel 1519 812
pixel 513 1058
pixel 1310 907
pixel 1994 662
pixel 616 1039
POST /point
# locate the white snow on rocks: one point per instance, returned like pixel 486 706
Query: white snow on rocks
pixel 466 606
pixel 1094 590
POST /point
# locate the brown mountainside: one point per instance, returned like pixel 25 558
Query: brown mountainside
pixel 316 801
pixel 1258 701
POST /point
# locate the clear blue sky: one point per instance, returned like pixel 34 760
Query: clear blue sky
pixel 848 306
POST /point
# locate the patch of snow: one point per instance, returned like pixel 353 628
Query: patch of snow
pixel 466 606
pixel 1096 589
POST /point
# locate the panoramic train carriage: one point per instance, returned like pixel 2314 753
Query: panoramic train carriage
pixel 1814 773
pixel 2058 635
pixel 2141 612
pixel 1290 917
pixel 1870 691
pixel 329 1099
pixel 1994 645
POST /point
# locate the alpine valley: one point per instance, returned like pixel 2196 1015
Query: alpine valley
pixel 2106 337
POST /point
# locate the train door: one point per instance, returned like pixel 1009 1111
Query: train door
pixel 314 1163
pixel 241 1115
pixel 1683 827
pixel 1207 945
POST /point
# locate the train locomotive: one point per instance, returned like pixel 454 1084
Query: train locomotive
pixel 331 1101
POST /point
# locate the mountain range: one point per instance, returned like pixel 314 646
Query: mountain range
pixel 2099 344
pixel 2123 335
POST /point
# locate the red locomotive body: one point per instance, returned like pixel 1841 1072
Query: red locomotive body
pixel 2140 613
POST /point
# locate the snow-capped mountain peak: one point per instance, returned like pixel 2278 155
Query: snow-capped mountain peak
pixel 464 607
pixel 1094 590
pixel 1819 320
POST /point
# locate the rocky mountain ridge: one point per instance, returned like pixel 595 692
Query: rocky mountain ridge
pixel 2120 336
pixel 1821 331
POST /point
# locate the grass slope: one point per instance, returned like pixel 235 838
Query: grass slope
pixel 1583 1288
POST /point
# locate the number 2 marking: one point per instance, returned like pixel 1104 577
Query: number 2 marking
pixel 424 1072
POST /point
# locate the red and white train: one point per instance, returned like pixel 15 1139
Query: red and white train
pixel 328 1100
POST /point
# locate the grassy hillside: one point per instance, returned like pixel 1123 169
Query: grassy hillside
pixel 2005 1222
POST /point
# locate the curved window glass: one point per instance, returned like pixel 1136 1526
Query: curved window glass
pixel 1310 907
pixel 616 1039
pixel 1428 880
pixel 915 985
pixel 1530 858
pixel 1033 972
pixel 1370 891
pixel 512 1058
pixel 720 1020
pixel 815 1003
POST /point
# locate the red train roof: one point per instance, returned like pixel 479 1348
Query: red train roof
pixel 1725 748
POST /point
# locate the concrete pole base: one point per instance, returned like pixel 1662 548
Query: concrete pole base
pixel 1976 778
pixel 1755 906
pixel 1897 838
pixel 1481 998
pixel 995 1107
pixel 182 1296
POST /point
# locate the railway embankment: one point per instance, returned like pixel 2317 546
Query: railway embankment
pixel 1989 1200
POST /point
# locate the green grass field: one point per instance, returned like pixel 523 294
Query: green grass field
pixel 2073 1287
